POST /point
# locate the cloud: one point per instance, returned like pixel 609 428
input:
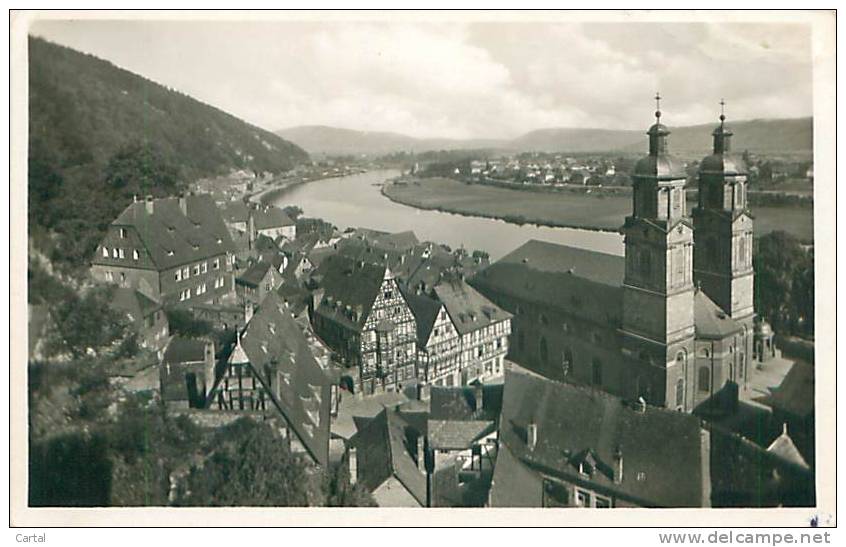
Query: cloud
pixel 463 79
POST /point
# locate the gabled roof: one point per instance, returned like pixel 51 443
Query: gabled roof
pixel 710 320
pixel 460 403
pixel 457 419
pixel 174 238
pixel 275 345
pixel 353 284
pixel 662 450
pixel 467 308
pixel 384 450
pixel 235 211
pixel 268 217
pixel 184 350
pixel 586 283
pixel 795 394
pixel 425 311
pixel 784 447
pixel 134 302
pixel 254 275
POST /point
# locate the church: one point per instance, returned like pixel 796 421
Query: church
pixel 672 320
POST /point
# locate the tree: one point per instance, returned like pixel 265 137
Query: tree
pixel 141 169
pixel 293 211
pixel 87 322
pixel 254 467
pixel 784 283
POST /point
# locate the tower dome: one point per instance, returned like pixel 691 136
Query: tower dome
pixel 722 160
pixel 659 164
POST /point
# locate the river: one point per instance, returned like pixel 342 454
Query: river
pixel 356 201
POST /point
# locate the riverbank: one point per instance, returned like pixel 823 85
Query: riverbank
pixel 271 194
pixel 565 209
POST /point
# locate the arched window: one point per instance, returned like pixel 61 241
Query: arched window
pixel 704 379
pixel 544 350
pixel 597 372
pixel 680 392
pixel 567 361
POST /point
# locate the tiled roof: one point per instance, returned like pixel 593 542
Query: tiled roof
pixel 384 449
pixel 184 350
pixel 235 211
pixel 458 435
pixel 134 302
pixel 254 275
pixel 784 447
pixel 459 403
pixel 711 321
pixel 352 284
pixel 795 394
pixel 662 450
pixel 467 308
pixel 585 283
pixel 273 341
pixel 268 217
pixel 425 311
pixel 173 238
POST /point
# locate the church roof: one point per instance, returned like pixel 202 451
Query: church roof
pixel 586 283
pixel 662 167
pixel 711 321
pixel 729 164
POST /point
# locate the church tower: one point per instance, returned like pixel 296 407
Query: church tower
pixel 658 291
pixel 723 236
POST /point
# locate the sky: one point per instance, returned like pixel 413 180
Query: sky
pixel 463 79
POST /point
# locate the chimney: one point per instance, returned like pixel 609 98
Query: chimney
pixel 478 393
pixel 532 435
pixel 421 453
pixel 353 463
pixel 183 204
pixel 148 204
pixel 618 470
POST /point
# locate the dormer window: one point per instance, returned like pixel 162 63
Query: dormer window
pixel 105 252
pixel 122 233
pixel 135 254
pixel 170 253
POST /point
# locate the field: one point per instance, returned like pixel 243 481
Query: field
pixel 563 209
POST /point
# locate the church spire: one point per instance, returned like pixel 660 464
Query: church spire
pixel 658 132
pixel 722 134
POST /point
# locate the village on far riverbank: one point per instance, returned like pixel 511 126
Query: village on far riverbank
pixel 601 209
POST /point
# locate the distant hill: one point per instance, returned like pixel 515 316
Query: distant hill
pixel 99 134
pixel 322 139
pixel 793 136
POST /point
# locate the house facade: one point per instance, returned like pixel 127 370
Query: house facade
pixel 364 317
pixel 174 250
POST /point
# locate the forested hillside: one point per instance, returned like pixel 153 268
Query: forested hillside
pixel 99 134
